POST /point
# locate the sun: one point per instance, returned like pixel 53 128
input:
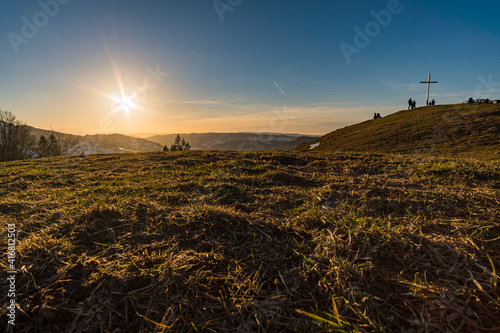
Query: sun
pixel 124 103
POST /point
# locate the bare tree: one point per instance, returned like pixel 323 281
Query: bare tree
pixel 16 141
pixel 65 144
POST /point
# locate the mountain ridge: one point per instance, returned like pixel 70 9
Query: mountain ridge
pixel 239 141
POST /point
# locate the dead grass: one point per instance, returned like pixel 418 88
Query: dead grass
pixel 461 130
pixel 260 242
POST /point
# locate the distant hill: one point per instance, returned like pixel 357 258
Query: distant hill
pixel 119 143
pixel 237 141
pixel 37 132
pixel 461 130
pixel 106 143
pixel 116 143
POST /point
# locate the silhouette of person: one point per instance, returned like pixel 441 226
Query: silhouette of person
pixel 374 116
pixel 410 103
pixel 433 102
pixel 379 116
pixel 414 104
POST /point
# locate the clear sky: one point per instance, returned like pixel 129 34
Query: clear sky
pixel 290 66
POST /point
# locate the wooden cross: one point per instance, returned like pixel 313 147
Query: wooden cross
pixel 428 86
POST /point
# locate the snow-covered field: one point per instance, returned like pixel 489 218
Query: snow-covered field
pixel 88 149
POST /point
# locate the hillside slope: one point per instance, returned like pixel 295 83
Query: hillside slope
pixel 462 130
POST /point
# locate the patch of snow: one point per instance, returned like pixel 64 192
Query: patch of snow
pixel 314 145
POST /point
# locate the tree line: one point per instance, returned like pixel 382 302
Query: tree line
pixel 17 142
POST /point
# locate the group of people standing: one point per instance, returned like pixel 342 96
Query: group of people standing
pixel 413 104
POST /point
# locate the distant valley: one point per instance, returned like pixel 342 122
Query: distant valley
pixel 238 141
pixel 119 143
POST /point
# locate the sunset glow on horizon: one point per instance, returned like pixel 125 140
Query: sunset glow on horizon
pixel 87 67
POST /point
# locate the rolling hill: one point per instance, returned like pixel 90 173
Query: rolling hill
pixel 116 143
pixel 461 130
pixel 104 143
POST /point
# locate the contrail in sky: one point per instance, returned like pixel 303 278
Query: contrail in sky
pixel 279 88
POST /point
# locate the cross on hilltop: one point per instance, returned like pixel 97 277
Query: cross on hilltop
pixel 428 87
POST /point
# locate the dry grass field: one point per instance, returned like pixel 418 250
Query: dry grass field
pixel 459 130
pixel 253 242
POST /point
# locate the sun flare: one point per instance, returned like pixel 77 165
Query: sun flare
pixel 124 103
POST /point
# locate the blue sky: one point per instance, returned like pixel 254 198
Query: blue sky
pixel 273 66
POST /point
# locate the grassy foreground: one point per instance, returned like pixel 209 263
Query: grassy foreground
pixel 253 242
